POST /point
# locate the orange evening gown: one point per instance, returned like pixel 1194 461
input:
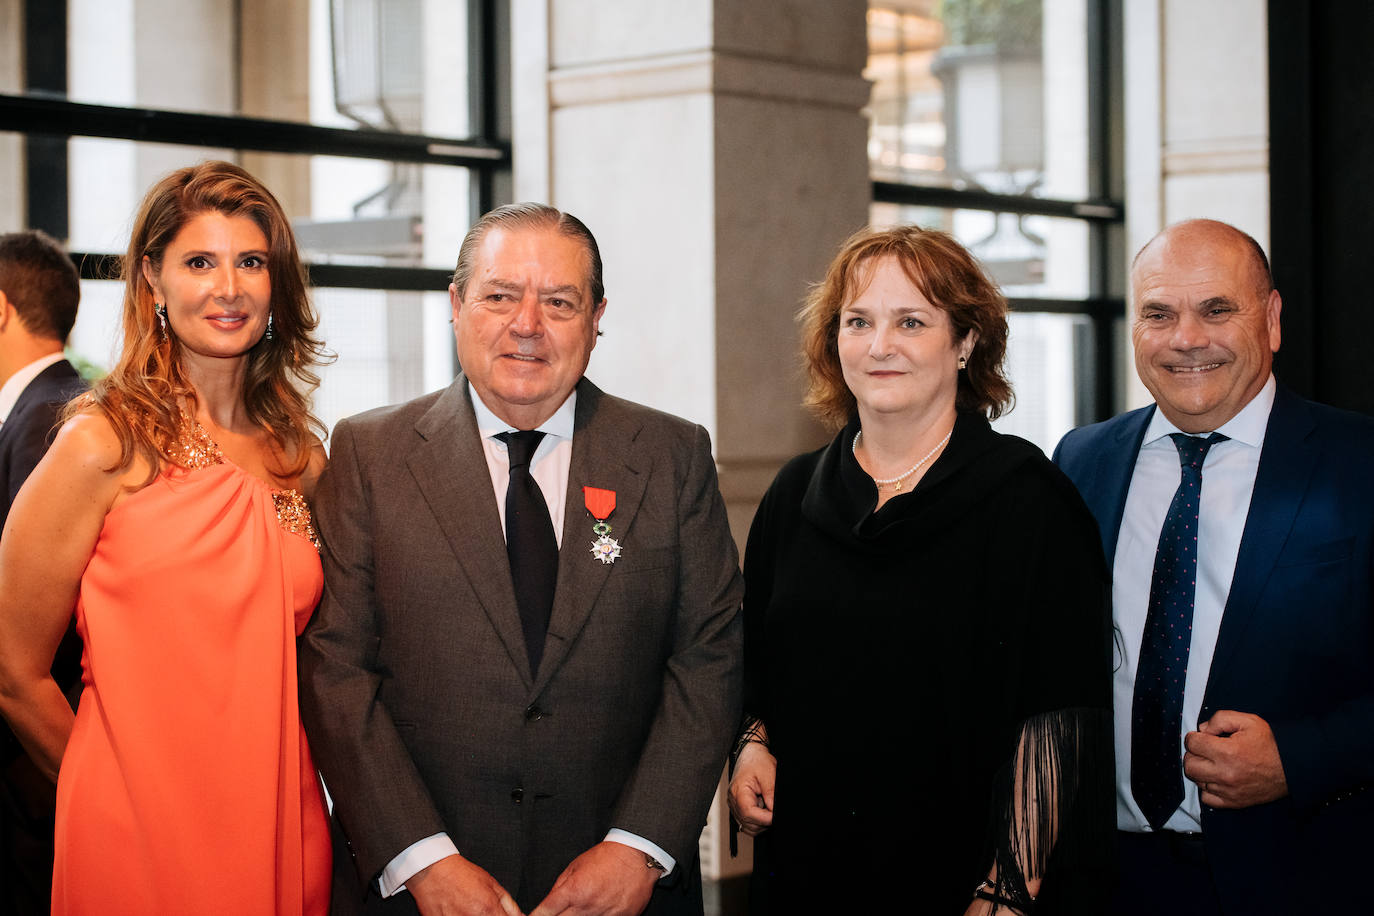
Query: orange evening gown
pixel 187 786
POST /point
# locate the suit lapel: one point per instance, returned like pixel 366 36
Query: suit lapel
pixel 1286 464
pixel 605 454
pixel 450 470
pixel 1111 478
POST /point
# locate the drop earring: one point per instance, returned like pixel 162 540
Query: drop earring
pixel 161 311
pixel 963 363
pixel 269 335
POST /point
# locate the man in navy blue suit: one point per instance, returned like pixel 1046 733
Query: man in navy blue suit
pixel 1238 520
pixel 39 291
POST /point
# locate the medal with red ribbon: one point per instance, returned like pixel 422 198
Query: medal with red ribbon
pixel 601 503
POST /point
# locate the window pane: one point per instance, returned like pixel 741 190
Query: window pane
pixel 391 347
pixel 1049 362
pixel 1028 256
pixel 344 211
pixel 398 65
pixel 980 94
pixel 95 338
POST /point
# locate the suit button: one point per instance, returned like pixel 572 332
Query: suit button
pixel 533 713
pixel 517 795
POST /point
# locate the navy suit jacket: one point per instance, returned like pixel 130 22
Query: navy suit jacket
pixel 1296 645
pixel 26 797
pixel 24 439
pixel 28 430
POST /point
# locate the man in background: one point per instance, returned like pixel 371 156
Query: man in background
pixel 1239 522
pixel 39 291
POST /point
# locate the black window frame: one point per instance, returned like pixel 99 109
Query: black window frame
pixel 1103 211
pixel 48 119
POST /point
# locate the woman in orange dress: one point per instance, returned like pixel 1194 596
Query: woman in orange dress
pixel 170 514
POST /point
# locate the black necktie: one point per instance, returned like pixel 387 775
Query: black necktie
pixel 530 543
pixel 1157 707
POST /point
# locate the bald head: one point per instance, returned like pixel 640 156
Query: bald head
pixel 1205 322
pixel 1215 232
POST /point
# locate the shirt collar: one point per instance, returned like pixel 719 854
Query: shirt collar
pixel 1247 426
pixel 14 385
pixel 560 425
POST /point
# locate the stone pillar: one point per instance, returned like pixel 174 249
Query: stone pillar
pixel 274 82
pixel 717 150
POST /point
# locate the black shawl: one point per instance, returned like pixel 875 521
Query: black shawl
pixel 900 658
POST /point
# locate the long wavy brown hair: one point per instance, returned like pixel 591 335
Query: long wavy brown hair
pixel 947 275
pixel 143 396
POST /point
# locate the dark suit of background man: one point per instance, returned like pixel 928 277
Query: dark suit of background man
pixel 568 755
pixel 39 291
pixel 1278 696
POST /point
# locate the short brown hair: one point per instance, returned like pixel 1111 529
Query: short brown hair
pixel 948 276
pixel 141 395
pixel 41 282
pixel 529 216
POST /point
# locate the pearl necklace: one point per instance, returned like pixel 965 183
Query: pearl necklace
pixel 896 482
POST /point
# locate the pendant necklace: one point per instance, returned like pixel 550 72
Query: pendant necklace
pixel 896 482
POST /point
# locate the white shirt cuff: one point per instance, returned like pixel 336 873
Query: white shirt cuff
pixel 414 858
pixel 634 841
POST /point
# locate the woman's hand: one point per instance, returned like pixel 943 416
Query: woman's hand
pixel 751 789
pixel 982 907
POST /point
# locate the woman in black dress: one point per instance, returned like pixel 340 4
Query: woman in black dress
pixel 926 621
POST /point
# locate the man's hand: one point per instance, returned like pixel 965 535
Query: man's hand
pixel 1234 761
pixel 455 886
pixel 610 879
pixel 751 788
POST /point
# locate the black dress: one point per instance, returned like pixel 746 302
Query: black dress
pixel 898 660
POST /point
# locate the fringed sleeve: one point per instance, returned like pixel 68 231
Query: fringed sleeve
pixel 1054 814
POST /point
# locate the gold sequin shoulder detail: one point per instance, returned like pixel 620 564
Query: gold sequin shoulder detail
pixel 293 514
pixel 193 448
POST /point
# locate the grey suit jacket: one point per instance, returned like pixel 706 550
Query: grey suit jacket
pixel 416 689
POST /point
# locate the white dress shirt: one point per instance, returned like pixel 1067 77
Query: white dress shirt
pixel 549 468
pixel 14 385
pixel 1228 480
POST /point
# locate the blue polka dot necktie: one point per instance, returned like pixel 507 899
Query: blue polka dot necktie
pixel 1157 706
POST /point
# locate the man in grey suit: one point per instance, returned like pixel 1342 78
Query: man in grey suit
pixel 525 673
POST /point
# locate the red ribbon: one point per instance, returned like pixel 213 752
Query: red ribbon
pixel 600 503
